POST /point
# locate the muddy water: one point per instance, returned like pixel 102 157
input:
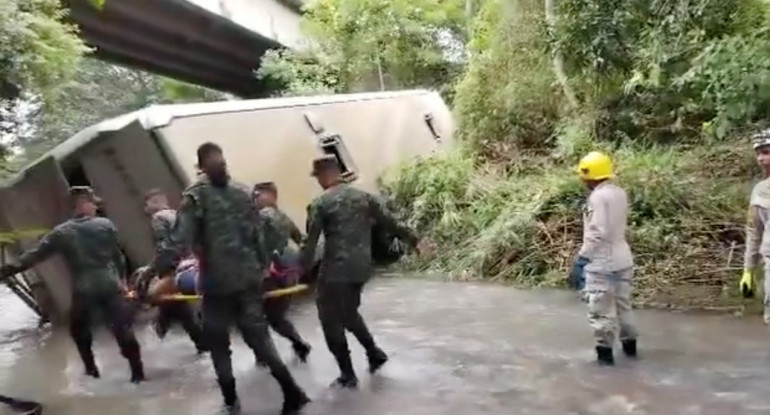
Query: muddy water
pixel 458 349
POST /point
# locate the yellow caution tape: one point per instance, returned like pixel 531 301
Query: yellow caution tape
pixel 269 294
pixel 19 234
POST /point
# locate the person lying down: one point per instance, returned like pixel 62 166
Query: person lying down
pixel 184 281
pixel 283 273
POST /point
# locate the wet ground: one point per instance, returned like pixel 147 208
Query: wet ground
pixel 458 349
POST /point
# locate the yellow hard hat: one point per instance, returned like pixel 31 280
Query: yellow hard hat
pixel 595 166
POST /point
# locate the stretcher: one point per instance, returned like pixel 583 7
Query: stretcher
pixel 281 279
pixel 295 289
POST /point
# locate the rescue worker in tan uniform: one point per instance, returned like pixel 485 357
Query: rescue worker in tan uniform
pixel 757 238
pixel 609 264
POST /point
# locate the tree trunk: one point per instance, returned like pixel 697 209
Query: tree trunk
pixel 470 6
pixel 558 59
pixel 379 72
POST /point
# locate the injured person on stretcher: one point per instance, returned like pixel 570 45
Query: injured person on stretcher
pixel 184 281
pixel 284 273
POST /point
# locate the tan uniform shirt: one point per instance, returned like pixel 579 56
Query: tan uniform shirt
pixel 604 230
pixel 757 238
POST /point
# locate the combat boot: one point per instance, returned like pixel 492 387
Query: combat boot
pixel 302 350
pixel 376 358
pixel 604 356
pixel 629 347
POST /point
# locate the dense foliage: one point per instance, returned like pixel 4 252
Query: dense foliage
pixel 38 50
pixel 669 88
pixel 372 44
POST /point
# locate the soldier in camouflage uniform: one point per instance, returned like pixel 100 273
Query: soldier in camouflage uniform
pixel 278 230
pixel 89 246
pixel 345 216
pixel 219 219
pixel 162 222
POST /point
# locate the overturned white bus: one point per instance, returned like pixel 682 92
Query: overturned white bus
pixel 266 139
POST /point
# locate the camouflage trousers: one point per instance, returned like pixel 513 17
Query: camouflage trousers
pixel 113 308
pixel 609 306
pixel 338 304
pixel 244 310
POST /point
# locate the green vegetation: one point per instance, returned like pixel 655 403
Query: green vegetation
pixel 371 45
pixel 670 89
pixel 523 227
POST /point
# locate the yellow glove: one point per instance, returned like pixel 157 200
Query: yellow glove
pixel 747 284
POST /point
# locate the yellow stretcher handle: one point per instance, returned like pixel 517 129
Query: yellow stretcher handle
pixel 269 294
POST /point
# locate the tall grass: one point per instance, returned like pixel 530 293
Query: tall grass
pixel 686 222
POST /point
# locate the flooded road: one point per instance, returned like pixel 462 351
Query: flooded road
pixel 459 349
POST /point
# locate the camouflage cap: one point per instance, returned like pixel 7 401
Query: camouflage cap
pixel 83 191
pixel 324 163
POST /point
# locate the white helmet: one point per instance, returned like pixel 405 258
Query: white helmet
pixel 761 139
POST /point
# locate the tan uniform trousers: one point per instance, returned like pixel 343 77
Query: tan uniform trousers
pixel 609 306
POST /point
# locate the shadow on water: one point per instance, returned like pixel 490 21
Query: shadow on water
pixel 456 348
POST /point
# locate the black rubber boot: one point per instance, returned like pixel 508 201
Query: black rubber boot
pixel 347 378
pixel 87 356
pixel 230 396
pixel 629 347
pixel 376 358
pixel 302 350
pixel 294 404
pixel 93 371
pixel 294 397
pixel 137 370
pixel 346 381
pixel 202 348
pixel 604 356
pixel 161 324
pixel 259 362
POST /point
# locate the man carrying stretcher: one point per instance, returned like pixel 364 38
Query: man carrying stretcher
pixel 284 267
pixel 283 271
pixel 163 219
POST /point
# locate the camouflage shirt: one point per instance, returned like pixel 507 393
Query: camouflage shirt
pixel 89 246
pixel 223 226
pixel 162 225
pixel 345 216
pixel 278 229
